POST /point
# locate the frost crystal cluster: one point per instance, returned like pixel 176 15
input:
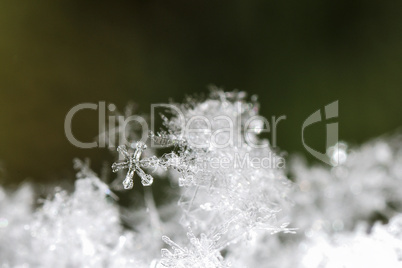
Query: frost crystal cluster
pixel 230 209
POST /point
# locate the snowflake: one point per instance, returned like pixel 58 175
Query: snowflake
pixel 202 252
pixel 134 164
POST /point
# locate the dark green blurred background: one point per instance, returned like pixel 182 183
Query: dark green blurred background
pixel 296 55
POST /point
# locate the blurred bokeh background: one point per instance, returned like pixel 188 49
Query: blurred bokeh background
pixel 297 56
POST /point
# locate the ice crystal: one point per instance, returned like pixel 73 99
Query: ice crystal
pixel 203 253
pixel 244 197
pixel 78 230
pixel 229 202
pixel 133 164
pixel 330 205
pixel 367 185
pixel 381 248
pixel 234 197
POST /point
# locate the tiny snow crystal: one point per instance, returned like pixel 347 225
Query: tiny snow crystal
pixel 133 163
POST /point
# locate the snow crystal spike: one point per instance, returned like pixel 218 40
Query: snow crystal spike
pixel 132 162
